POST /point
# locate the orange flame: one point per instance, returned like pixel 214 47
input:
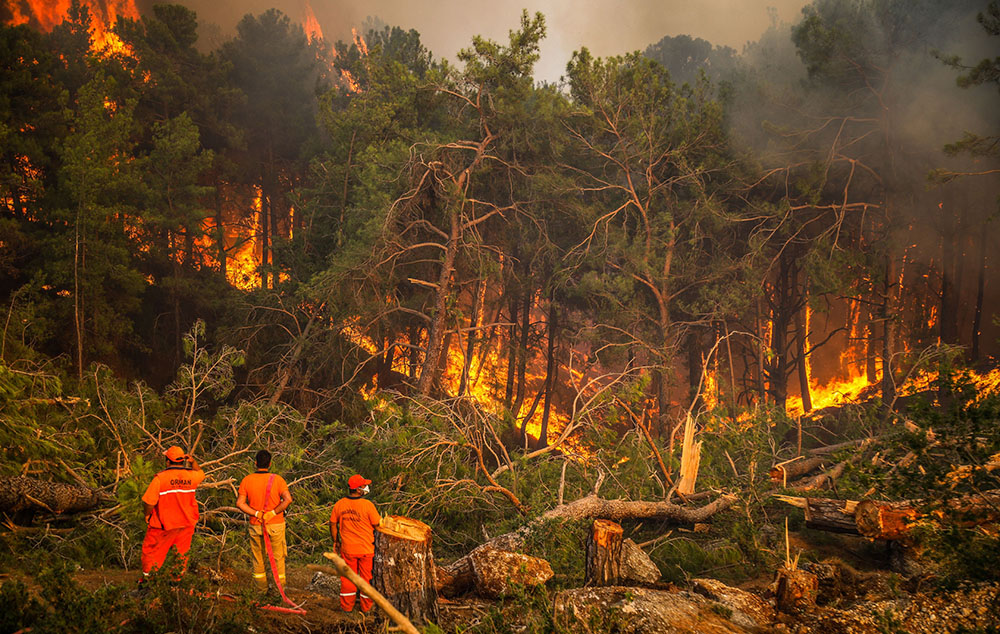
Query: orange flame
pixel 309 23
pixel 46 15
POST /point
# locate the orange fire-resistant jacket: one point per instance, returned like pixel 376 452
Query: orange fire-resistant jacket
pixel 356 519
pixel 255 485
pixel 172 493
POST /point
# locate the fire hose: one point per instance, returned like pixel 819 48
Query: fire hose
pixel 295 609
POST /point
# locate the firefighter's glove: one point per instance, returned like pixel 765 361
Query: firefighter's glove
pixel 268 515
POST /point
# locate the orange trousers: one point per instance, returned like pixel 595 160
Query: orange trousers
pixel 158 542
pixel 361 564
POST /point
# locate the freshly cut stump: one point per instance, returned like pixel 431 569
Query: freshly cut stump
pixel 604 553
pixel 403 568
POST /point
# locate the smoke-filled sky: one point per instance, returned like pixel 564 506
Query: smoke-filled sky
pixel 606 27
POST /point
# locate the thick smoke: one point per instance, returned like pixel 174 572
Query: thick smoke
pixel 446 26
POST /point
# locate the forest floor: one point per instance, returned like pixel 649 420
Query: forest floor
pixel 864 598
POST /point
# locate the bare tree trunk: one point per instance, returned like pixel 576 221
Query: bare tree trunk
pixel 429 372
pixel 948 313
pixel 508 398
pixel 522 351
pixel 551 370
pixel 802 339
pixel 888 385
pixel 220 229
pixel 78 252
pixel 977 318
pixel 470 344
pixel 265 205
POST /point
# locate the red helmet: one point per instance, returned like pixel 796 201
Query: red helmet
pixel 356 482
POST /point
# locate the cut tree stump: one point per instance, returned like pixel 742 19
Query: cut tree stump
pixel 604 553
pixel 795 589
pixel 495 572
pixel 403 568
pixel 28 495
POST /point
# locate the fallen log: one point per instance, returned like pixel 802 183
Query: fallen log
pixel 819 481
pixel 20 494
pixel 891 520
pixel 403 567
pixel 826 514
pixel 784 472
pixel 456 577
pixel 604 554
pixel 884 520
pixel 593 507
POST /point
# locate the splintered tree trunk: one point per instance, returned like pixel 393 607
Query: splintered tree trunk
pixel 403 569
pixel 795 589
pixel 604 553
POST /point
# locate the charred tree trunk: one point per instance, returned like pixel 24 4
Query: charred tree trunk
pixel 522 351
pixel 604 553
pixel 977 319
pixel 551 369
pixel 948 314
pixel 888 385
pixel 802 340
pixel 265 205
pixel 508 399
pixel 470 344
pixel 403 568
pixel 220 229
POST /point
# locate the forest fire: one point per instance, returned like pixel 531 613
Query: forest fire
pixel 45 15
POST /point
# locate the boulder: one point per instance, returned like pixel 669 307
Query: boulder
pixel 748 609
pixel 494 571
pixel 636 566
pixel 324 584
pixel 630 610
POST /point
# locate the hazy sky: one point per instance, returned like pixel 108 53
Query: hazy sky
pixel 606 27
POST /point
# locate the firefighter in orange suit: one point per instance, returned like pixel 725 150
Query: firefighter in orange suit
pixel 171 509
pixel 354 519
pixel 264 496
